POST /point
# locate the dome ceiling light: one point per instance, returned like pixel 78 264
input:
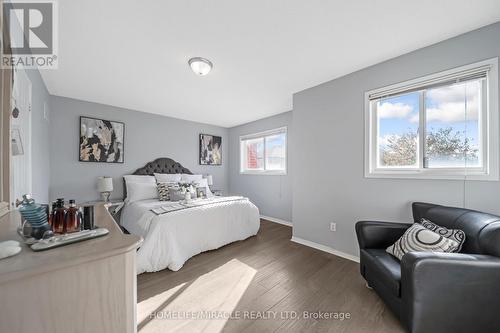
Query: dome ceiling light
pixel 200 66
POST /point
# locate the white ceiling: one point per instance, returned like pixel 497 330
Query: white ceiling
pixel 134 54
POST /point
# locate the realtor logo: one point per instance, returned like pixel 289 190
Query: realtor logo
pixel 32 27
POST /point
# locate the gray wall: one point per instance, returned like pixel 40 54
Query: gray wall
pixel 147 137
pixel 272 194
pixel 40 133
pixel 328 134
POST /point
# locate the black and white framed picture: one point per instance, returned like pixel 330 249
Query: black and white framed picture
pixel 210 149
pixel 101 140
pixel 201 192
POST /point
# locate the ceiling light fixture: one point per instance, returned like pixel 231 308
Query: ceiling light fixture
pixel 200 66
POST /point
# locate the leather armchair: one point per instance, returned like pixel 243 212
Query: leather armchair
pixel 437 292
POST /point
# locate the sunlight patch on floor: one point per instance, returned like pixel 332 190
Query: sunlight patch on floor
pixel 185 307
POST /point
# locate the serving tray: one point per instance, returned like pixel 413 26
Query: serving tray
pixel 62 240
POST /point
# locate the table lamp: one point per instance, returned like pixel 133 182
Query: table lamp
pixel 210 181
pixel 105 187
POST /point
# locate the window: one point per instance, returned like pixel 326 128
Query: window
pixel 441 126
pixel 264 153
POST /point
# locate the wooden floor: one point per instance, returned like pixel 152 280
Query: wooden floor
pixel 262 284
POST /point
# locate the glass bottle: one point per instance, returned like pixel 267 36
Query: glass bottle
pixel 73 220
pixel 58 217
pixel 51 212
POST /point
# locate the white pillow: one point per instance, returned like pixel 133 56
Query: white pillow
pixel 141 191
pixel 139 179
pixel 204 183
pixel 129 179
pixel 168 177
pixel 190 178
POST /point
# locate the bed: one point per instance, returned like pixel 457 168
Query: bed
pixel 170 239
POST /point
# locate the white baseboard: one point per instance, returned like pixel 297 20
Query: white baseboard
pixel 275 220
pixel 324 248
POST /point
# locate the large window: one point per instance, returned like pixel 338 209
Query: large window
pixel 440 126
pixel 264 153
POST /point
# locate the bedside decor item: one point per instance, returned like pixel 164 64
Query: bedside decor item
pixel 210 149
pixel 101 140
pixel 105 187
pixel 420 239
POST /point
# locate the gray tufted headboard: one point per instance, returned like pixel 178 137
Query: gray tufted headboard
pixel 160 165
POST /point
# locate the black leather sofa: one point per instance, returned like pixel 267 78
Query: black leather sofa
pixel 437 292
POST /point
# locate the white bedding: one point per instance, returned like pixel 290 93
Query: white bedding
pixel 171 239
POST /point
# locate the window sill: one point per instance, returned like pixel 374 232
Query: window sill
pixel 264 173
pixel 432 174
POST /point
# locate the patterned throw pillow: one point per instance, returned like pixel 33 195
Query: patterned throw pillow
pixel 420 239
pixel 163 191
pixel 454 234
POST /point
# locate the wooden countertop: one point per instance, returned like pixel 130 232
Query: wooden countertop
pixel 28 262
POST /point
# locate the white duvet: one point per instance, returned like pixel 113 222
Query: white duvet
pixel 171 239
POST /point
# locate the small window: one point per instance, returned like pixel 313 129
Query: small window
pixel 264 153
pixel 441 126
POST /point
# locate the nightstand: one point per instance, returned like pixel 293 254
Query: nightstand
pixel 114 208
pixel 217 193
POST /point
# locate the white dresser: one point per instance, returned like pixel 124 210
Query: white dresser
pixel 83 287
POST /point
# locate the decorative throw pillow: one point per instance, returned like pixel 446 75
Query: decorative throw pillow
pixel 454 234
pixel 420 239
pixel 163 191
pixel 175 193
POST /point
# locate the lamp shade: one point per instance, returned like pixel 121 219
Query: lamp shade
pixel 210 180
pixel 104 184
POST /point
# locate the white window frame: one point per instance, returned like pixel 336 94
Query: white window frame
pixel 488 132
pixel 263 135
